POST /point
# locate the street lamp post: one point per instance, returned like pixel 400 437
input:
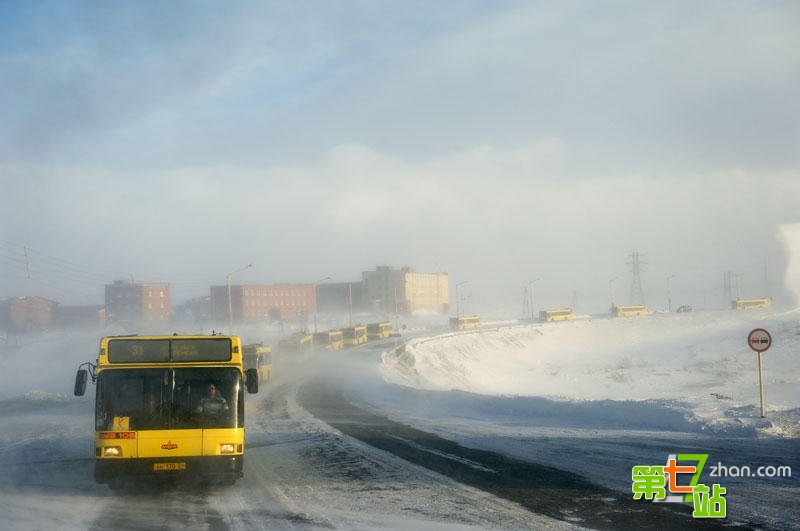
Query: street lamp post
pixel 669 293
pixel 230 303
pixel 458 298
pixel 315 300
pixel 611 289
pixel 530 290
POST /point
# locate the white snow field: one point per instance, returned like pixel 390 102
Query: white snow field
pixel 599 396
pixel 697 363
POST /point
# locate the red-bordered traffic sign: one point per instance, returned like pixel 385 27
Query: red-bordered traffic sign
pixel 759 340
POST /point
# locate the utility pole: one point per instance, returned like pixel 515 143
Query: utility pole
pixel 727 288
pixel 738 277
pixel 350 302
pixel 27 265
pixel 669 294
pixel 611 289
pixel 525 301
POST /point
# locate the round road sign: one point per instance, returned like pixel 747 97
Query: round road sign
pixel 759 340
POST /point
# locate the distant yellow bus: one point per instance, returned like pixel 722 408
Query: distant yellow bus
pixel 297 342
pixel 259 357
pixel 465 322
pixel 628 311
pixel 746 304
pixel 354 335
pixel 379 330
pixel 556 314
pixel 330 339
pixel 168 406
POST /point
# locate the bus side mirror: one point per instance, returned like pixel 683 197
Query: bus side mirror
pixel 80 382
pixel 251 380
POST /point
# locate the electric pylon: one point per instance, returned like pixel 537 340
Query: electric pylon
pixel 637 295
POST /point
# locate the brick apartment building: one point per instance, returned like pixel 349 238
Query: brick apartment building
pixel 131 303
pixel 26 314
pixel 264 302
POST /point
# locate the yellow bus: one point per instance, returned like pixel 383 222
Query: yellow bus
pixel 628 311
pixel 330 339
pixel 169 407
pixel 355 335
pixel 379 330
pixel 556 314
pixel 465 322
pixel 259 357
pixel 297 342
pixel 746 304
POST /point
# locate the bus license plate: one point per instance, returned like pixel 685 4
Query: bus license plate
pixel 169 466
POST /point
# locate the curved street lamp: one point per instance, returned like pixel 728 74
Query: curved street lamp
pixel 458 298
pixel 611 289
pixel 230 304
pixel 530 290
pixel 314 284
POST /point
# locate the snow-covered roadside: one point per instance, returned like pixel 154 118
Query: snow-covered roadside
pixel 597 397
pixel 698 364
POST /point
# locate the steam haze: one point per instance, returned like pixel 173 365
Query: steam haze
pixel 500 142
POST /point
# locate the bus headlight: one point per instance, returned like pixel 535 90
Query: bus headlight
pixel 112 451
pixel 226 448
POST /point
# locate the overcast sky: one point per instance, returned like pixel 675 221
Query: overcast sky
pixel 498 141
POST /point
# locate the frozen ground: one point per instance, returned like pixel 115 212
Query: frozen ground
pixel 593 397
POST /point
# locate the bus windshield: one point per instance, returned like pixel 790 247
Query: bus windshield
pixel 152 399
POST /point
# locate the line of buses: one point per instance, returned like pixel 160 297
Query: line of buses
pixel 172 407
pixel 337 339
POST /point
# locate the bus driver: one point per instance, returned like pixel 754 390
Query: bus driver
pixel 213 404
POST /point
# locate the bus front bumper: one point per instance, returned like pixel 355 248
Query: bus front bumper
pixel 226 469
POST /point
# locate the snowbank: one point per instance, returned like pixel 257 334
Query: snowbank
pixel 697 362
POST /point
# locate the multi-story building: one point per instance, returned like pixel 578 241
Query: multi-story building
pixel 131 303
pixel 340 297
pixel 404 290
pixel 382 289
pixel 263 302
pixel 26 314
pixel 425 291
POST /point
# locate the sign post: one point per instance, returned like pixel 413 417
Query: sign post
pixel 760 340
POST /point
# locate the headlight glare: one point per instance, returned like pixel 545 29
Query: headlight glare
pixel 112 451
